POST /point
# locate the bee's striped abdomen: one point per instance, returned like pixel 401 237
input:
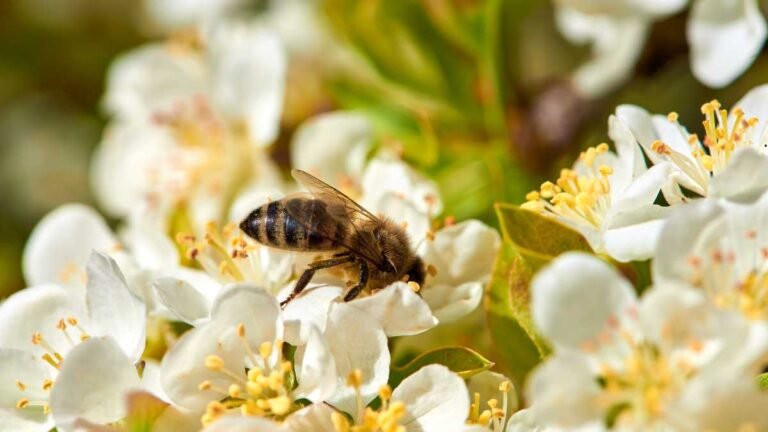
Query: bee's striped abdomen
pixel 277 224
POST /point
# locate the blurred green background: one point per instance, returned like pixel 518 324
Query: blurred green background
pixel 473 92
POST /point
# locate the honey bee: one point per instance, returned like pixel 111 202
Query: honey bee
pixel 325 220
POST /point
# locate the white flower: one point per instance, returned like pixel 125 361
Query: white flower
pixel 333 147
pixel 238 354
pixel 175 14
pixel 64 359
pixel 191 118
pixel 638 364
pixel 722 249
pixel 725 36
pixel 495 391
pixel 608 197
pixel 729 161
pixel 61 244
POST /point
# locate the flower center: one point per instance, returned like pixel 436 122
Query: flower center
pixel 583 198
pixel 494 417
pixel 746 293
pixel 385 419
pixel 711 155
pixel 637 385
pixel 263 391
pixel 73 333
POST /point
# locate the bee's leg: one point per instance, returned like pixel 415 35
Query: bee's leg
pixel 308 273
pixel 355 290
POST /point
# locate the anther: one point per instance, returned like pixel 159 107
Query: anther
pixel 22 403
pixel 214 363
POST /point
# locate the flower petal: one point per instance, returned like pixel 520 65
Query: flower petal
pixel 753 104
pixel 725 36
pixel 92 384
pixel 563 391
pixel 184 301
pixel 152 78
pixel 253 307
pixel 460 253
pixel 383 176
pixel 435 399
pixel 635 234
pixel 314 418
pixel 577 288
pixel 248 67
pixel 19 366
pixel 237 423
pixel 616 44
pixel 315 369
pixel 332 146
pixel 39 309
pixel 398 309
pixel 183 367
pixel 356 341
pixel 308 311
pixel 744 179
pixel 678 239
pixel 174 14
pixel 451 302
pixel 61 243
pixel 114 310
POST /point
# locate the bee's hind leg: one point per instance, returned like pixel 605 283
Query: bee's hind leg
pixel 308 273
pixel 355 290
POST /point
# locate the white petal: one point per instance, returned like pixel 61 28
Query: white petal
pixel 39 309
pixel 314 418
pixel 634 235
pixel 237 423
pixel 616 44
pixel 460 253
pixel 92 384
pixel 152 78
pixel 451 302
pixel 184 301
pixel 644 189
pixel 574 297
pixel 185 13
pixel 744 179
pixel 356 341
pixel 61 243
pixel 626 141
pixel 183 367
pixel 435 399
pixel 115 310
pixel 332 146
pixel 24 367
pixel 383 176
pixel 679 238
pixel 398 309
pixel 151 380
pixel 248 66
pixel 754 105
pixel 151 248
pixel 253 307
pixel 563 391
pixel 315 369
pixel 126 163
pixel 725 37
pixel 307 311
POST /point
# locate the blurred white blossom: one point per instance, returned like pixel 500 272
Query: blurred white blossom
pixel 724 37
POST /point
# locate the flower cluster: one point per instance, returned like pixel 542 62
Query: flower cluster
pixel 181 308
pixel 684 355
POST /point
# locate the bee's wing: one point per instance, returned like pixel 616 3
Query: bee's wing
pixel 345 211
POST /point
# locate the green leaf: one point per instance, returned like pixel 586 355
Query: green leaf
pixel 531 241
pixel 465 362
pixel 537 233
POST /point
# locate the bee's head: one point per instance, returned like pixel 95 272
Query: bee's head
pixel 416 272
